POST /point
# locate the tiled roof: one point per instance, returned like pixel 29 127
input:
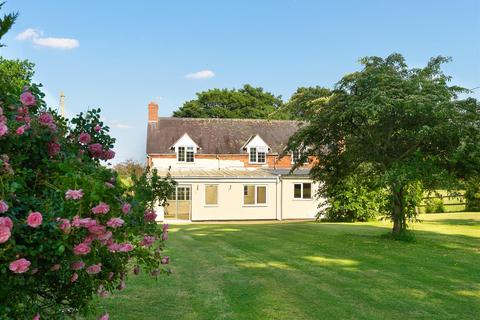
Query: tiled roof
pixel 218 136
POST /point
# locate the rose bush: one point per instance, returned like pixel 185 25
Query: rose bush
pixel 69 228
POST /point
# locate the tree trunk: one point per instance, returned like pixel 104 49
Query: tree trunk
pixel 398 213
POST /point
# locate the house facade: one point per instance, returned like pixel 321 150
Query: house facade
pixel 229 169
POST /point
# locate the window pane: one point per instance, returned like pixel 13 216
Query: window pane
pixel 181 153
pixel 307 191
pixel 181 193
pixel 296 155
pixel 253 155
pixel 297 191
pixel 249 194
pixel 173 195
pixel 211 194
pixel 262 194
pixel 187 193
pixel 261 157
pixel 190 156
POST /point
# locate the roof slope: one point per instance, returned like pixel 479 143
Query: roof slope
pixel 218 136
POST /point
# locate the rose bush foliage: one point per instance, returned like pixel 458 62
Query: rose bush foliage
pixel 69 229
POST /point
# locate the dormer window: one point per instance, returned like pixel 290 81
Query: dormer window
pixel 258 155
pixel 257 150
pixel 185 148
pixel 185 154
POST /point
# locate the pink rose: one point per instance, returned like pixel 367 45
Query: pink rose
pixel 104 316
pixel 147 241
pixel 20 130
pixel 114 247
pixel 55 267
pixel 20 265
pixel 65 226
pixel 96 149
pixel 108 154
pixel 3 206
pixel 34 219
pixel 36 317
pixel 126 207
pixel 94 268
pixel 6 222
pixel 77 265
pixel 109 185
pixel 125 247
pixel 121 286
pixel 165 227
pixel 88 222
pixel 164 236
pixel 3 129
pixel 97 230
pixel 27 99
pixel 53 148
pixel 74 277
pixel 5 233
pixel 101 208
pixel 136 270
pixel 81 249
pixel 73 194
pixel 89 239
pixel 150 215
pixel 45 118
pixel 84 138
pixel 97 128
pixel 110 276
pixel 115 222
pixel 165 260
pixel 105 237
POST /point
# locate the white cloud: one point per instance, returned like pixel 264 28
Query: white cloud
pixel 204 74
pixel 119 125
pixel 49 42
pixel 123 126
pixel 28 34
pixel 57 43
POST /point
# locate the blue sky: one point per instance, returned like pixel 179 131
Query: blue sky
pixel 119 55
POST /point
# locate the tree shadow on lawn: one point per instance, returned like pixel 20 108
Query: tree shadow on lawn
pixel 353 264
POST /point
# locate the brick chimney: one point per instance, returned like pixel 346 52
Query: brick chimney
pixel 152 112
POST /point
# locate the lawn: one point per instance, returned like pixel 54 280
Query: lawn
pixel 307 270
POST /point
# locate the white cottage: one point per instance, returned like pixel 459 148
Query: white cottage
pixel 229 169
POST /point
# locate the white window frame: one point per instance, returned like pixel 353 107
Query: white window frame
pixel 205 197
pixel 258 150
pixel 293 156
pixel 301 184
pixel 186 150
pixel 255 204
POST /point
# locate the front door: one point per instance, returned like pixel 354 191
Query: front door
pixel 179 204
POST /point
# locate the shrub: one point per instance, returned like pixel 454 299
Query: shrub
pixel 69 229
pixel 434 205
pixel 353 200
pixel 472 195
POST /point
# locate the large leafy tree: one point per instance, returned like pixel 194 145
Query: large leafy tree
pixel 247 102
pixel 302 102
pixel 6 22
pixel 405 128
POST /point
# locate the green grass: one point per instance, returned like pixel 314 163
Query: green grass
pixel 308 270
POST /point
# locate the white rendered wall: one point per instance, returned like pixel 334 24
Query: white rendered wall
pixel 298 208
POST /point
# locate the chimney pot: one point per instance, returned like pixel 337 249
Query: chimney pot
pixel 152 112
